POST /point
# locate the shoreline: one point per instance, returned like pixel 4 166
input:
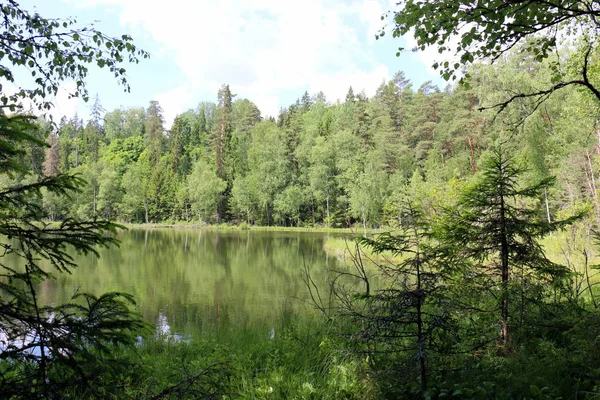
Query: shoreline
pixel 248 227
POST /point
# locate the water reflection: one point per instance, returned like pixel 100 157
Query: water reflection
pixel 205 281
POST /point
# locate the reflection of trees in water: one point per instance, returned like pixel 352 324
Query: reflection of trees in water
pixel 203 279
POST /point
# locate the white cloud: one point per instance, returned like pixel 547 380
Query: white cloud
pixel 335 85
pixel 261 48
pixel 62 104
pixel 431 55
pixel 176 99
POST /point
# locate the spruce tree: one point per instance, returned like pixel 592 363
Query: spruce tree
pixel 497 224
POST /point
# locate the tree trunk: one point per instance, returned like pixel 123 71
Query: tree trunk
pixel 76 152
pixel 547 206
pixel 420 335
pixel 504 267
pixel 472 150
pixel 591 178
pixel 364 220
pixel 94 202
pixel 327 201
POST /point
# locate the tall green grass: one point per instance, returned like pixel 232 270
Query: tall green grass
pixel 296 362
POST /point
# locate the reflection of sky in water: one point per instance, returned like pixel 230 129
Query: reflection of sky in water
pixel 8 343
pixel 163 330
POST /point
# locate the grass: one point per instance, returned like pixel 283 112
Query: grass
pixel 345 248
pixel 300 362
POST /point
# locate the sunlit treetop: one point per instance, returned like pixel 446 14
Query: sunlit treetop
pixel 54 51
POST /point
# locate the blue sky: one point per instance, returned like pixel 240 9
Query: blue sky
pixel 269 51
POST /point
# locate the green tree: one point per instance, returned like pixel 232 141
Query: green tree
pixel 109 193
pixel 89 142
pixel 408 323
pixel 222 142
pixel 136 200
pixel 367 193
pixel 223 128
pixel 85 202
pixel 124 123
pixel 497 225
pixel 242 199
pixel 113 124
pixel 134 122
pixel 121 153
pixel 322 174
pixel 179 140
pixel 288 205
pixel 161 190
pixel 65 140
pixel 51 350
pixel 245 116
pixel 205 190
pixel 154 132
pixel 268 166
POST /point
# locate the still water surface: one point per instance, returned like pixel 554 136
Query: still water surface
pixel 205 282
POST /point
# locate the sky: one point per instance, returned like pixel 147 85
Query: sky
pixel 268 51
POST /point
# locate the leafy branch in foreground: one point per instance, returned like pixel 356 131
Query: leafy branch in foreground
pixel 490 29
pixel 56 50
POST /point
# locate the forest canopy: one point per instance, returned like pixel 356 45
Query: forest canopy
pixel 348 163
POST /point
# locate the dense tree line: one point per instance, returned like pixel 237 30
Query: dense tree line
pixel 333 164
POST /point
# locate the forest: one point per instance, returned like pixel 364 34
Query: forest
pixel 475 273
pixel 342 164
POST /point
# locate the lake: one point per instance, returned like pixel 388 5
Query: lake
pixel 204 281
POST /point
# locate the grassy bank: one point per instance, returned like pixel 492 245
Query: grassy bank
pixel 574 248
pixel 301 363
pixel 345 248
pixel 191 225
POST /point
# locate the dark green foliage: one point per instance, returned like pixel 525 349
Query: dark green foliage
pixel 408 323
pixel 350 161
pixel 154 132
pixel 498 223
pixel 428 320
pixel 40 340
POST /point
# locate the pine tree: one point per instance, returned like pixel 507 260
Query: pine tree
pixel 350 98
pixel 224 127
pixel 179 140
pixel 51 348
pixel 222 142
pixel 154 132
pixel 407 321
